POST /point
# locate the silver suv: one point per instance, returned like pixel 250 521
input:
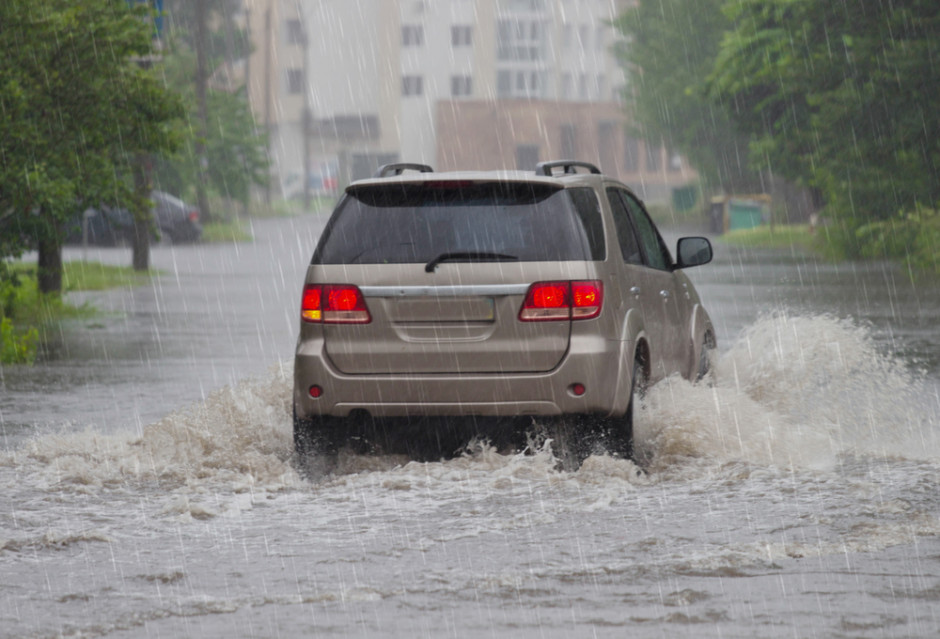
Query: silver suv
pixel 500 295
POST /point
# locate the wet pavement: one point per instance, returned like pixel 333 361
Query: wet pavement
pixel 147 486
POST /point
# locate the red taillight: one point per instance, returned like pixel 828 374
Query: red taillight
pixel 310 304
pixel 547 301
pixel 194 216
pixel 588 298
pixel 550 295
pixel 334 304
pixel 345 299
pixel 551 301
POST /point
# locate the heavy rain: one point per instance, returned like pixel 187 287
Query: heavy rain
pixel 190 154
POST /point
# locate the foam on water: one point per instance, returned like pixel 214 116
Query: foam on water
pixel 239 436
pixel 791 391
pixel 795 391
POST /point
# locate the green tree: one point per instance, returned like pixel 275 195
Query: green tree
pixel 235 148
pixel 840 95
pixel 670 48
pixel 78 112
pixel 224 152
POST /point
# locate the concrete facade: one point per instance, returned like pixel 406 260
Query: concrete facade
pixel 518 133
pixel 452 83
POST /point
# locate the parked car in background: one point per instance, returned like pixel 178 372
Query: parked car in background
pixel 177 222
pixel 499 294
pixel 102 226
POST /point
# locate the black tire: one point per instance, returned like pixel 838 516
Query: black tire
pixel 313 436
pixel 619 430
pixel 705 357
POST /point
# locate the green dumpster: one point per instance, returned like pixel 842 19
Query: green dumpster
pixel 744 214
pixel 684 198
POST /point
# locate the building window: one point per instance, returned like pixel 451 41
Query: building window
pixel 525 5
pixel 631 154
pixel 567 38
pixel 412 35
pixel 606 144
pixel 527 156
pixel 654 157
pixel 295 81
pixel 461 35
pixel 461 85
pixel 567 86
pixel 569 141
pixel 520 40
pixel 295 32
pixel 504 84
pixel 412 85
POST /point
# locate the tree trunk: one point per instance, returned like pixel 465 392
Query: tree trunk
pixel 49 275
pixel 141 246
pixel 143 217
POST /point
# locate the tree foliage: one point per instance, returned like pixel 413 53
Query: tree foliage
pixel 76 109
pixel 841 95
pixel 236 149
pixel 671 47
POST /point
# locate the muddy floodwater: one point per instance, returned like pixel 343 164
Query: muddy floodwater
pixel 147 487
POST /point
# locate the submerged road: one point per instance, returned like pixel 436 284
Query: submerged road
pixel 147 487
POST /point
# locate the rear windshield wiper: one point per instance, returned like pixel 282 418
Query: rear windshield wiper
pixel 468 256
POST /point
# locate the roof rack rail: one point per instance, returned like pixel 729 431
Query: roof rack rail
pixel 397 168
pixel 545 168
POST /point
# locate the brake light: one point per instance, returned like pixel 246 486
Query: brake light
pixel 547 301
pixel 588 297
pixel 194 216
pixel 334 304
pixel 552 301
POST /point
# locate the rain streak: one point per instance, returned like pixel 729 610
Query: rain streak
pixel 150 480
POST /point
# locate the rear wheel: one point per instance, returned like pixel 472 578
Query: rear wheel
pixel 705 357
pixel 619 430
pixel 312 436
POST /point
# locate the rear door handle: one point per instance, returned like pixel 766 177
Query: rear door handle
pixel 664 294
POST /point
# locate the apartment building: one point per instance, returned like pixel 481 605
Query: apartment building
pixel 451 83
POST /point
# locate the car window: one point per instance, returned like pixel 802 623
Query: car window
pixel 589 212
pixel 626 235
pixel 414 223
pixel 165 198
pixel 657 255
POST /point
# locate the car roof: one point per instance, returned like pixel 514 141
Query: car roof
pixel 420 174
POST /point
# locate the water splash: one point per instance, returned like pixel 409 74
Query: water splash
pixel 798 392
pixel 239 436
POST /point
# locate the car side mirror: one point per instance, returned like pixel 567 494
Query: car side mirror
pixel 693 251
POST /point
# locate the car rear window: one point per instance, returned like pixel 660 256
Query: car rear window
pixel 414 223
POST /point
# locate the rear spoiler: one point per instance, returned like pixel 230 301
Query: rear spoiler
pixel 397 168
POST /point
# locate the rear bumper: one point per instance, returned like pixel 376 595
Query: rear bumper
pixel 592 362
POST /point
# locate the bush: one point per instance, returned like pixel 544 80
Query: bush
pixel 25 313
pixel 911 237
pixel 17 346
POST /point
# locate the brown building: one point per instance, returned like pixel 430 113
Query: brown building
pixel 517 134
